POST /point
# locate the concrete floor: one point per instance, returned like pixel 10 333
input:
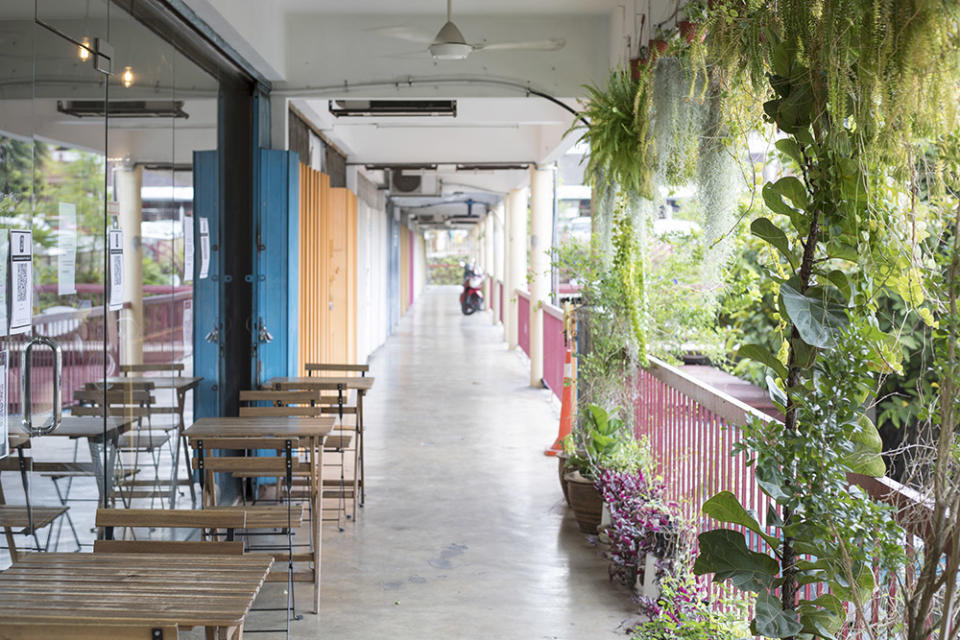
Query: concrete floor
pixel 465 533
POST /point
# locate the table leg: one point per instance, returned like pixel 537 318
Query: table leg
pixel 181 426
pixel 316 472
pixel 360 477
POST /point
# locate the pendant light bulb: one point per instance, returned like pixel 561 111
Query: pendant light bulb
pixel 127 77
pixel 84 50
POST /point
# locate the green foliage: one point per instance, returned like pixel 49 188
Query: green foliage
pixel 617 129
pixel 685 611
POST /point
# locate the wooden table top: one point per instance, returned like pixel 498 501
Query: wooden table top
pixel 77 426
pixel 256 426
pixel 325 383
pixel 130 589
pixel 180 383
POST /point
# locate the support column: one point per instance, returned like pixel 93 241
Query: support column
pixel 541 222
pixel 484 264
pixel 495 219
pixel 516 260
pixel 128 180
pixel 490 230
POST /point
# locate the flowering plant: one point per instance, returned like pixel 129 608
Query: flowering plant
pixel 684 612
pixel 641 520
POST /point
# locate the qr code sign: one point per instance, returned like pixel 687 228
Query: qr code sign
pixel 22 282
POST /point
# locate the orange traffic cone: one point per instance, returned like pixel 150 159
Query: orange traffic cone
pixel 566 405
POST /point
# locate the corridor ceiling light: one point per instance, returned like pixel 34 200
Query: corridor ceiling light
pixel 84 50
pixel 127 77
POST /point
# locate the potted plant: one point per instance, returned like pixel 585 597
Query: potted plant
pixel 604 440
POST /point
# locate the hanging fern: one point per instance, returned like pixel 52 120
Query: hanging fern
pixel 618 132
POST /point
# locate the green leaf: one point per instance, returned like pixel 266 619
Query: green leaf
pixel 771 620
pixel 843 251
pixel 791 188
pixel 840 281
pixel 790 148
pixel 865 585
pixel 815 320
pixel 726 508
pixel 819 620
pixel 764 229
pixel 761 354
pixel 865 458
pixel 724 553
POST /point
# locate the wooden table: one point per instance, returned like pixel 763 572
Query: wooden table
pixel 90 596
pixel 101 435
pixel 310 434
pixel 360 384
pixel 181 385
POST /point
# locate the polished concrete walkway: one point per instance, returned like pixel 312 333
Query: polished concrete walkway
pixel 465 533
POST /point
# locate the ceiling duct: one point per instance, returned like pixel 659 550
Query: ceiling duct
pixel 392 108
pixel 123 108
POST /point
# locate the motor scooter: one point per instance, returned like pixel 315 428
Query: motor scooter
pixel 471 298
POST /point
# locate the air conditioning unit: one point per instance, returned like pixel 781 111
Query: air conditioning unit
pixel 407 182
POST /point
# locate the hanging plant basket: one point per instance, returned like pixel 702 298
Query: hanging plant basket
pixel 658 46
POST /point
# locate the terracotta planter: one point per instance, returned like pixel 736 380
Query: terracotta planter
pixel 586 502
pixel 657 46
pixel 690 31
pixel 562 471
pixel 635 65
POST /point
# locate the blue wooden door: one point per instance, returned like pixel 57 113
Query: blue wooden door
pixel 276 293
pixel 207 324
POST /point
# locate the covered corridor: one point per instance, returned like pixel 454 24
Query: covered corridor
pixel 464 533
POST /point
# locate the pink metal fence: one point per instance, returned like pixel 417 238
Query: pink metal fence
pixel 554 348
pixel 523 321
pixel 500 300
pixel 82 335
pixel 691 428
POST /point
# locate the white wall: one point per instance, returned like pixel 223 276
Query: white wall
pixel 371 268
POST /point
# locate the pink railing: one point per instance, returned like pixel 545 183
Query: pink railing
pixel 554 349
pixel 523 321
pixel 691 428
pixel 90 349
pixel 500 300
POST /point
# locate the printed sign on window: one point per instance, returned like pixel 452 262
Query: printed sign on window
pixel 204 248
pixel 67 250
pixel 21 280
pixel 116 269
pixel 188 326
pixel 188 249
pixel 4 426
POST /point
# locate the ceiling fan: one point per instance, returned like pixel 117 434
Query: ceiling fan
pixel 449 43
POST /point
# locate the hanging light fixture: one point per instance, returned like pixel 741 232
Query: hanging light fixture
pixel 84 50
pixel 127 77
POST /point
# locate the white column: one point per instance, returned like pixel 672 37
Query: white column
pixel 128 182
pixel 541 221
pixel 496 257
pixel 488 232
pixel 516 260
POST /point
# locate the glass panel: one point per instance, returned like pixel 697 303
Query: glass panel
pixel 82 21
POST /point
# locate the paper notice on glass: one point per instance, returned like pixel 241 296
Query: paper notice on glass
pixel 4 261
pixel 188 248
pixel 116 269
pixel 21 280
pixel 67 250
pixel 4 426
pixel 204 248
pixel 188 326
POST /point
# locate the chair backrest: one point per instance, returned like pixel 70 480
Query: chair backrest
pixel 172 518
pixel 281 403
pixel 127 396
pixel 153 367
pixel 178 547
pixel 342 369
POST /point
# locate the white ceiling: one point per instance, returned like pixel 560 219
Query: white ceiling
pixel 460 7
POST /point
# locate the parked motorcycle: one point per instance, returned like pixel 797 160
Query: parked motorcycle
pixel 471 298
